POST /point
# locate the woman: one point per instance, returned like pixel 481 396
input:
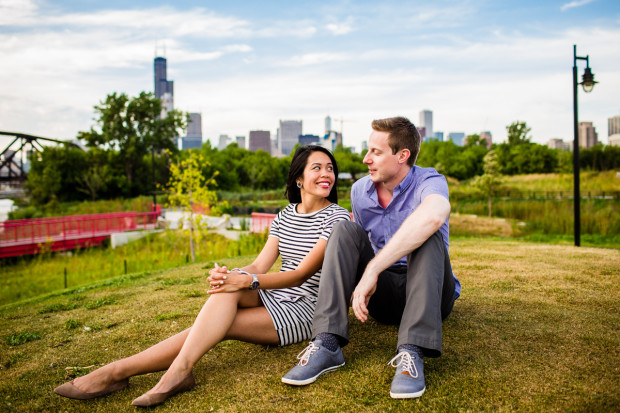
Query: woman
pixel 246 304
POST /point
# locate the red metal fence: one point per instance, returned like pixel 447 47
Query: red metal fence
pixel 261 221
pixel 32 236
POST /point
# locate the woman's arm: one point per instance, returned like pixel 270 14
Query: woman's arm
pixel 235 281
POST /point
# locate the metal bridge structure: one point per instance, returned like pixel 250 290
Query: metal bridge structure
pixel 12 166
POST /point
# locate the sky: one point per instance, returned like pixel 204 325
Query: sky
pixel 479 65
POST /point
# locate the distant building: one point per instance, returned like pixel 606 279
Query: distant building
pixel 587 135
pixel 331 140
pixel 439 136
pixel 364 145
pixel 164 88
pixel 225 140
pixel 457 137
pixel 614 140
pixel 260 139
pixel 193 138
pixel 613 125
pixel 421 131
pixel 240 141
pixel 309 139
pixel 557 143
pixel 426 122
pixel 288 135
pixel 487 137
pixel 328 124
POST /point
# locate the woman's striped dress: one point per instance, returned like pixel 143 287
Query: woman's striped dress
pixel 291 309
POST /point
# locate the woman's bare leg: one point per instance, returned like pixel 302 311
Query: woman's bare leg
pixel 155 358
pixel 238 315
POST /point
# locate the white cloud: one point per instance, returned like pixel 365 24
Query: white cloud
pixel 576 3
pixel 311 59
pixel 16 10
pixel 341 28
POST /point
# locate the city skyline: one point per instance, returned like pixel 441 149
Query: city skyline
pixel 478 66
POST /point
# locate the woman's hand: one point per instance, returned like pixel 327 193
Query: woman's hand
pixel 223 281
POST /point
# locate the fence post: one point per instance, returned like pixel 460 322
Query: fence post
pixel 125 262
pixel 65 277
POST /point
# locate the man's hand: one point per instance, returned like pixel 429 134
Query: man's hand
pixel 361 296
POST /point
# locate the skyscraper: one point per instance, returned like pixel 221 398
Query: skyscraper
pixel 613 125
pixel 328 124
pixel 457 137
pixel 486 135
pixel 260 139
pixel 193 139
pixel 288 135
pixel 309 139
pixel 164 88
pixel 587 135
pixel 240 141
pixel 225 140
pixel 426 122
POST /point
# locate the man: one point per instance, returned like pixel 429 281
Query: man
pixel 392 263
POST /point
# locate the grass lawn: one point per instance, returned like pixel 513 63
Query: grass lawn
pixel 536 329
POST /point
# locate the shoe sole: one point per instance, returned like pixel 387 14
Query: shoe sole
pixel 407 395
pixel 312 379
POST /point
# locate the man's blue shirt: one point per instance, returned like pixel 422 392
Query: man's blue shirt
pixel 382 223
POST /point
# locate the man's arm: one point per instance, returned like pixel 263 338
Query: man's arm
pixel 427 218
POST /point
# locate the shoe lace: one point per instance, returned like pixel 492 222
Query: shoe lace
pixel 305 354
pixel 405 359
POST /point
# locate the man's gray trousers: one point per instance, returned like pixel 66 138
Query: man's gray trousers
pixel 416 297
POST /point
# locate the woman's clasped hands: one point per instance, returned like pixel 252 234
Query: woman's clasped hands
pixel 223 281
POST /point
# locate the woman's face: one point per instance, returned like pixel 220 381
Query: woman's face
pixel 318 178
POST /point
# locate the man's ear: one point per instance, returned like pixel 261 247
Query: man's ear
pixel 404 155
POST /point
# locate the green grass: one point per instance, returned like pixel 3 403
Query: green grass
pixel 536 329
pixel 25 277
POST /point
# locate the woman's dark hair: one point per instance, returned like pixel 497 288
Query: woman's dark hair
pixel 296 170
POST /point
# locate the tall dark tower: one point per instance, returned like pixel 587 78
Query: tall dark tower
pixel 164 88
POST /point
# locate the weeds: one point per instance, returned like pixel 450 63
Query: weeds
pixel 22 338
pixel 100 303
pixel 57 307
pixel 72 324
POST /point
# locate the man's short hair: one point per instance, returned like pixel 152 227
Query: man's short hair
pixel 402 135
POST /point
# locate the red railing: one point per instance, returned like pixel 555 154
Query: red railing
pixel 261 221
pixel 31 236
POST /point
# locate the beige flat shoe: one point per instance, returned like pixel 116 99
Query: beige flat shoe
pixel 70 391
pixel 153 399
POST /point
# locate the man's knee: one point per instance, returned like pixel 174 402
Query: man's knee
pixel 346 228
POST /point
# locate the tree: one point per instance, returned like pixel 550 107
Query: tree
pixel 349 161
pixel 517 133
pixel 489 183
pixel 188 189
pixel 54 174
pixel 134 126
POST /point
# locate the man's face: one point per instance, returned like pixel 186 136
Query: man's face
pixel 383 165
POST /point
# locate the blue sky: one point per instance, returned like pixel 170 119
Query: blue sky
pixel 478 65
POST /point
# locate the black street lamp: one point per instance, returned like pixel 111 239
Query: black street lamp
pixel 588 83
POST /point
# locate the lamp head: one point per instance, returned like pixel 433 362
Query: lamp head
pixel 588 80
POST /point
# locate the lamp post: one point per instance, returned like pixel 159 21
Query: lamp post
pixel 588 83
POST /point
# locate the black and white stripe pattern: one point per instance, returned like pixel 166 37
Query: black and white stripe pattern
pixel 291 309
